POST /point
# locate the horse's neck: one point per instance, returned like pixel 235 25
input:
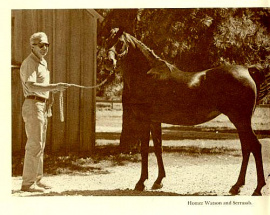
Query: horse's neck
pixel 147 52
pixel 161 69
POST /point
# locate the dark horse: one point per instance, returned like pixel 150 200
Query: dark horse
pixel 160 93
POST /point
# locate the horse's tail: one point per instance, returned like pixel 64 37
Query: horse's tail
pixel 262 79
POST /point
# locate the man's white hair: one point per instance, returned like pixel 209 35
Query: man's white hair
pixel 38 37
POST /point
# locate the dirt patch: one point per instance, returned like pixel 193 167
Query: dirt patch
pixel 190 171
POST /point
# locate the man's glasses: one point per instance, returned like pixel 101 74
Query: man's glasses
pixel 41 45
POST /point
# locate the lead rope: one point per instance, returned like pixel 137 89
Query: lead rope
pixel 49 107
pixel 61 97
pixel 61 106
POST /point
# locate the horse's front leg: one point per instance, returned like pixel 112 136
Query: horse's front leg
pixel 156 136
pixel 145 136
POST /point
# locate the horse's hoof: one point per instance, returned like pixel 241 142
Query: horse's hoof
pixel 157 186
pixel 234 191
pixel 139 187
pixel 257 193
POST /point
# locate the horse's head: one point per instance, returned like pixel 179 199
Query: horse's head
pixel 134 56
pixel 117 45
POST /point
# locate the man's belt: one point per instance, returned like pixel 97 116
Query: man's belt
pixel 36 98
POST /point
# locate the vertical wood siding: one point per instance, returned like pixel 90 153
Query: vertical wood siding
pixel 72 59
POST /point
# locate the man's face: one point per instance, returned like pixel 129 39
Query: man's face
pixel 40 49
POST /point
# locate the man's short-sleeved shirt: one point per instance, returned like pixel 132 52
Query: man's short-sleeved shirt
pixel 34 70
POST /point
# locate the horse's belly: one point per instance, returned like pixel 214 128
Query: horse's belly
pixel 185 116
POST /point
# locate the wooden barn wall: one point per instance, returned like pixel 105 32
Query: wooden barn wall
pixel 71 59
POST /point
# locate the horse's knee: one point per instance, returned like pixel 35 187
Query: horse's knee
pixel 256 148
pixel 250 143
pixel 158 150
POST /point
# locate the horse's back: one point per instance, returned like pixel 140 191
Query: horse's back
pixel 224 89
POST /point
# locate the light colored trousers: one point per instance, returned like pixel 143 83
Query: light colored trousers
pixel 35 118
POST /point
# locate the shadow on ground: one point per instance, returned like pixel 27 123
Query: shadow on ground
pixel 191 133
pixel 109 156
pixel 116 192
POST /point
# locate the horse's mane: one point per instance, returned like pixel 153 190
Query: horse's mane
pixel 156 63
pixel 148 53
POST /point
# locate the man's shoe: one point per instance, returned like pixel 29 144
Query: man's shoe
pixel 44 186
pixel 31 189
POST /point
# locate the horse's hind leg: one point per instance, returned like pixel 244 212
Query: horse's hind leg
pixel 155 129
pixel 245 158
pixel 256 150
pixel 249 144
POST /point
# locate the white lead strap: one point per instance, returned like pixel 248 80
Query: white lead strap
pixel 61 98
pixel 61 104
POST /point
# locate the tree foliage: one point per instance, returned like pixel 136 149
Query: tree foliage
pixel 194 39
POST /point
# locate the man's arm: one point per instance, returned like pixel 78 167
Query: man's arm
pixel 41 87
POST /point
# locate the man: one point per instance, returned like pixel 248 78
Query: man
pixel 36 85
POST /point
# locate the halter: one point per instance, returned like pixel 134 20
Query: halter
pixel 126 47
pixel 135 43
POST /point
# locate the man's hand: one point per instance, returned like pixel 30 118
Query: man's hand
pixel 61 86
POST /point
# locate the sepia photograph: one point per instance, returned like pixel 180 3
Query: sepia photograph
pixel 141 103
